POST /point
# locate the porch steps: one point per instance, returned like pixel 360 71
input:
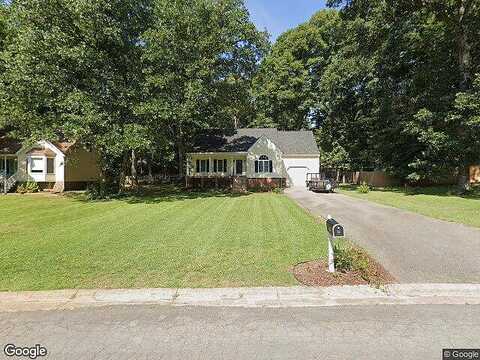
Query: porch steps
pixel 5 187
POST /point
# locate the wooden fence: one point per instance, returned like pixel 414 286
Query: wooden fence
pixel 373 178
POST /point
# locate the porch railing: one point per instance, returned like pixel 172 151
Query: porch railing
pixel 7 182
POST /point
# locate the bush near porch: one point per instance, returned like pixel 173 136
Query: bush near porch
pixel 168 239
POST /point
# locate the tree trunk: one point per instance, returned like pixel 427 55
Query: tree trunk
pixel 123 172
pixel 181 152
pixel 463 182
pixel 464 63
pixel 463 48
pixel 150 175
pixel 133 169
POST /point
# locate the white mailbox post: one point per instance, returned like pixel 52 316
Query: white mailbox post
pixel 335 230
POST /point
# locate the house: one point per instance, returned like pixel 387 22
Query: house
pixel 250 158
pixel 55 166
pixel 475 174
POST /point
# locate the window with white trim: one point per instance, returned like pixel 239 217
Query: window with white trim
pixel 50 165
pixel 263 165
pixel 220 166
pixel 203 166
pixel 36 165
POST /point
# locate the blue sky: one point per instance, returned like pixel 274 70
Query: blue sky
pixel 280 15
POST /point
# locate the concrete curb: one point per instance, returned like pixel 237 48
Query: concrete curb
pixel 272 297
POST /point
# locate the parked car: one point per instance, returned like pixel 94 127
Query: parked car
pixel 318 182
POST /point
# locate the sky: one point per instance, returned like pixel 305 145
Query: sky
pixel 278 16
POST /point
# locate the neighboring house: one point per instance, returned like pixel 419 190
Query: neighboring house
pixel 248 158
pixel 475 174
pixel 55 166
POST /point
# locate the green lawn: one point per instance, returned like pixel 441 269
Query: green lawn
pixel 436 202
pixel 168 240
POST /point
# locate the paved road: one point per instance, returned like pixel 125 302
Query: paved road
pixel 414 248
pixel 164 332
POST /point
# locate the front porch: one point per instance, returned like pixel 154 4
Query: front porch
pixel 235 183
pixel 238 172
pixel 8 171
pixel 217 170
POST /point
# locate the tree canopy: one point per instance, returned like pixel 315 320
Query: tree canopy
pixel 393 87
pixel 129 77
pixel 387 85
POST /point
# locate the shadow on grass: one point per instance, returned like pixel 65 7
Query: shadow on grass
pixel 445 191
pixel 159 194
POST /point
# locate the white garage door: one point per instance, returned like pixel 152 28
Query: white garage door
pixel 297 175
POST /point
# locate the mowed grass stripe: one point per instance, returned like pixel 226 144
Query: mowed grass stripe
pixel 182 240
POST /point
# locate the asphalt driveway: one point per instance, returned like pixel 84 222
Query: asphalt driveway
pixel 413 247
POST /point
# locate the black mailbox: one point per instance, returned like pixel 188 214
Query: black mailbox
pixel 334 228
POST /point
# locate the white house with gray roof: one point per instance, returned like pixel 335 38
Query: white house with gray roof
pixel 252 158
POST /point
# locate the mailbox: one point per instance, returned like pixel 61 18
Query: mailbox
pixel 334 228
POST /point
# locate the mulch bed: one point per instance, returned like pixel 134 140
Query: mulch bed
pixel 315 273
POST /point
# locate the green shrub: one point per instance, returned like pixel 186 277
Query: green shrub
pixel 349 258
pixel 101 191
pixel 28 187
pixel 364 188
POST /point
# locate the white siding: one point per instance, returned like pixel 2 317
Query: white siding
pixel 24 165
pixel 265 146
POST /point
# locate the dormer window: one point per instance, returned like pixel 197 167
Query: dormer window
pixel 263 165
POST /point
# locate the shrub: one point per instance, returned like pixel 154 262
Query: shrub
pixel 349 258
pixel 28 187
pixel 364 188
pixel 101 191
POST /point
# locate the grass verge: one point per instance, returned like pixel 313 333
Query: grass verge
pixel 437 202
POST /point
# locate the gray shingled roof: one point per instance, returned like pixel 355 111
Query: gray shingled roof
pixel 240 140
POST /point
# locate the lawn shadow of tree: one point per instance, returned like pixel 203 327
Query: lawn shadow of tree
pixel 160 194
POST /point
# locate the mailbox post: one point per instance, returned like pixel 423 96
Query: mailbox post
pixel 335 230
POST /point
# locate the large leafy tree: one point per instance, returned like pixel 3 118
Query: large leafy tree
pixel 287 88
pixel 5 38
pixel 394 91
pixel 74 72
pixel 422 65
pixel 200 56
pixel 4 14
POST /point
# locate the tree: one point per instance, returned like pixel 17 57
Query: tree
pixel 199 59
pixel 422 57
pixel 5 38
pixel 74 72
pixel 286 88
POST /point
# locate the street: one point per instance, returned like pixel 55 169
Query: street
pixel 166 332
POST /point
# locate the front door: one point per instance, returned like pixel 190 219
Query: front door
pixel 238 167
